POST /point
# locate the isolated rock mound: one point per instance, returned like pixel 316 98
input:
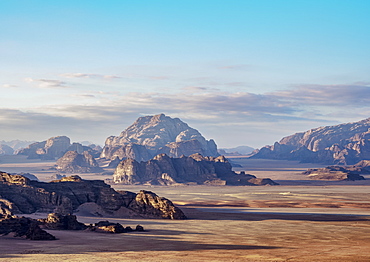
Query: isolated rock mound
pixel 165 170
pixel 341 144
pixel 73 162
pixel 19 195
pixel 151 135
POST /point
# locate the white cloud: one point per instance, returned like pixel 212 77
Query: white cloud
pixel 96 76
pixel 47 83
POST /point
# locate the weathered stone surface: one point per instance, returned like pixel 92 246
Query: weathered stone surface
pixel 165 170
pixel 62 222
pixel 23 226
pixel 50 149
pixel 73 162
pixel 341 144
pixel 153 206
pixel 27 175
pixel 20 195
pixel 151 135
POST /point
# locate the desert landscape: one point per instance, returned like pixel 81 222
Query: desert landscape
pixel 316 221
pixel 185 130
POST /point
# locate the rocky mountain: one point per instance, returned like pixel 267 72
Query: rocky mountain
pixel 196 169
pixel 73 162
pixel 50 149
pixel 6 150
pixel 19 195
pixel 340 144
pixel 55 147
pixel 151 135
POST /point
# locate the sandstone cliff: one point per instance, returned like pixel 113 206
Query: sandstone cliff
pixel 151 135
pixel 165 170
pixel 73 162
pixel 19 195
pixel 341 144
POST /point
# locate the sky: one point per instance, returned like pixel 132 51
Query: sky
pixel 242 72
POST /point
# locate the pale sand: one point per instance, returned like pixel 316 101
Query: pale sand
pixel 272 223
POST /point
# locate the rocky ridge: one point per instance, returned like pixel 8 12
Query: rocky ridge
pixel 150 135
pixel 343 144
pixel 196 169
pixel 19 195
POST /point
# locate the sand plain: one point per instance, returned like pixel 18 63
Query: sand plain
pixel 300 220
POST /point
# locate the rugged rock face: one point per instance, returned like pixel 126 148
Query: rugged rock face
pixel 341 144
pixel 6 150
pixel 20 195
pixel 62 222
pixel 164 170
pixel 23 226
pixel 334 173
pixel 153 206
pixel 73 162
pixel 151 135
pixel 50 149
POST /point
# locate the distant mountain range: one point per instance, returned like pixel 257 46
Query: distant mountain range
pixel 239 150
pixel 344 144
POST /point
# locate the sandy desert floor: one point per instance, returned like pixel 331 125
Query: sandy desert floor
pixel 300 220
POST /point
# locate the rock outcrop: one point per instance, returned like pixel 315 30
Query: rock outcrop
pixel 151 135
pixel 19 195
pixel 333 173
pixel 59 221
pixel 343 144
pixel 73 162
pixel 24 227
pixel 50 149
pixel 165 170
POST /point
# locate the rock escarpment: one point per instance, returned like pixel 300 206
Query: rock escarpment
pixel 151 135
pixel 341 144
pixel 73 162
pixel 19 195
pixel 165 170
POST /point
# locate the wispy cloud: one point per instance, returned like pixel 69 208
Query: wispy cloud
pixel 82 75
pixel 47 83
pixel 8 86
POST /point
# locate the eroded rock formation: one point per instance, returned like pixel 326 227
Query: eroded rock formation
pixel 50 149
pixel 151 135
pixel 73 162
pixel 19 195
pixel 165 170
pixel 341 144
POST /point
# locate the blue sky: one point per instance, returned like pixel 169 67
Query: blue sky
pixel 241 72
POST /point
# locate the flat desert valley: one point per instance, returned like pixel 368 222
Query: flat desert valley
pixel 299 220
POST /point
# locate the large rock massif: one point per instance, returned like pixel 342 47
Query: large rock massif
pixel 344 144
pixel 73 162
pixel 56 147
pixel 151 135
pixel 195 169
pixel 50 149
pixel 19 195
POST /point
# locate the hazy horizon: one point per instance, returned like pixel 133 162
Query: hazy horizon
pixel 240 72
